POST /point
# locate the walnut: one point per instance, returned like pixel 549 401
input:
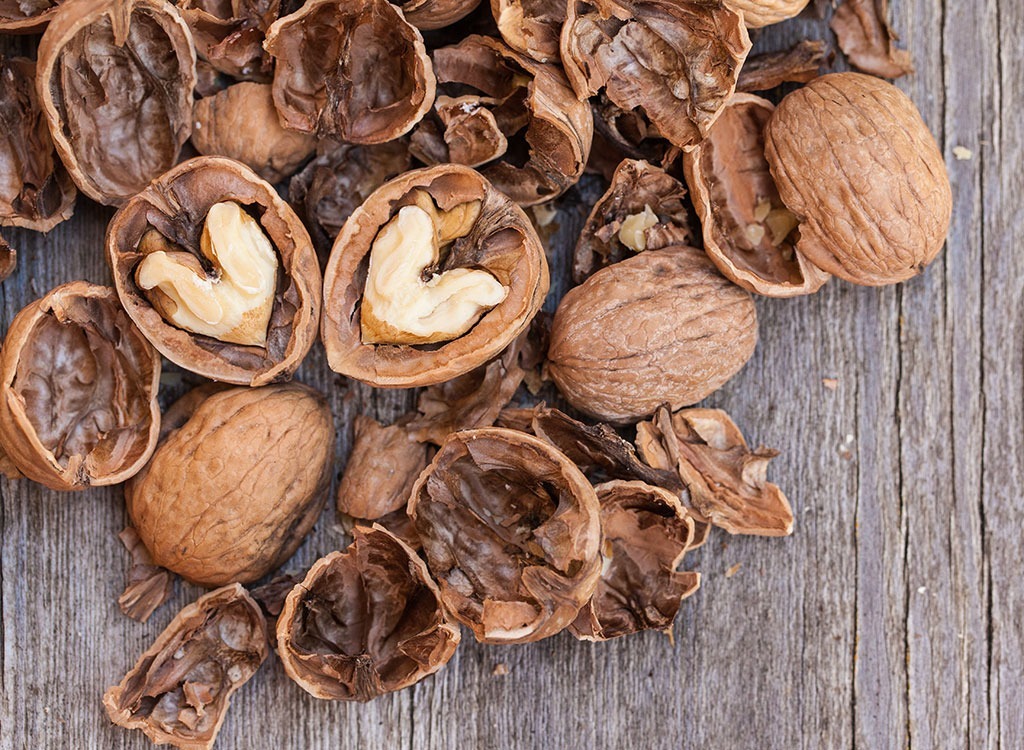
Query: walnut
pixel 229 35
pixel 26 16
pixel 8 259
pixel 400 635
pixel 511 530
pixel 117 67
pixel 661 327
pixel 78 386
pixel 624 134
pixel 179 690
pixel 493 238
pixel 856 165
pixel 760 13
pixel 862 28
pixel 800 63
pixel 532 27
pixel 428 15
pixel 148 585
pixel 218 272
pixel 231 493
pixel 356 70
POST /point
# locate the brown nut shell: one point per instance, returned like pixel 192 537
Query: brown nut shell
pixel 231 494
pixel 532 27
pixel 502 241
pixel 26 17
pixel 229 35
pixel 760 13
pixel 662 327
pixel 855 162
pixel 427 15
pixel 179 690
pixel 176 206
pixel 8 259
pixel 400 635
pixel 124 67
pixel 78 386
pixel 511 530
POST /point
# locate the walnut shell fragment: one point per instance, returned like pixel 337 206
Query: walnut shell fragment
pixel 275 327
pixel 78 387
pixel 799 64
pixel 26 16
pixel 862 28
pixel 646 534
pixel 355 70
pixel 511 531
pixel 229 35
pixel 381 470
pixel 760 13
pixel 857 166
pixel 661 327
pixel 148 585
pixel 532 27
pixel 427 15
pixel 123 67
pixel 179 690
pixel 676 60
pixel 8 259
pixel 231 494
pixel 497 239
pixel 365 622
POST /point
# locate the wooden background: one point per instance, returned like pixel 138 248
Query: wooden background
pixel 892 618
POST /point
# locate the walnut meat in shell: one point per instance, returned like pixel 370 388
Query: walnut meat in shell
pixel 857 166
pixel 511 531
pixel 78 386
pixel 760 13
pixel 422 299
pixel 231 494
pixel 115 79
pixel 661 327
pixel 365 622
pixel 179 690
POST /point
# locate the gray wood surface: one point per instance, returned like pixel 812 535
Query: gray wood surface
pixel 894 617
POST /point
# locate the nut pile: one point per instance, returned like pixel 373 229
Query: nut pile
pixel 362 173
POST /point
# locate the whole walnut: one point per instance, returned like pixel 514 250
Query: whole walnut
pixel 231 493
pixel 662 327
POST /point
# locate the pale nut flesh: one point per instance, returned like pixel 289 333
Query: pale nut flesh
pixel 233 303
pixel 633 232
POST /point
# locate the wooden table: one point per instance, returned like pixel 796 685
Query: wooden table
pixel 894 617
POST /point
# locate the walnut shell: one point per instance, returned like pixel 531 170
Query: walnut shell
pixel 862 30
pixel 502 241
pixel 428 15
pixel 799 64
pixel 179 690
pixel 176 205
pixel 124 67
pixel 400 635
pixel 231 494
pixel 78 386
pixel 760 13
pixel 8 259
pixel 856 164
pixel 20 17
pixel 532 27
pixel 511 530
pixel 229 35
pixel 662 327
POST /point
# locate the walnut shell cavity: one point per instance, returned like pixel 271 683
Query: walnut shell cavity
pixel 229 35
pixel 26 17
pixel 855 162
pixel 427 15
pixel 117 66
pixel 36 191
pixel 511 531
pixel 78 386
pixel 176 206
pixel 646 534
pixel 502 241
pixel 400 635
pixel 675 60
pixel 511 116
pixel 354 70
pixel 748 232
pixel 532 27
pixel 231 494
pixel 760 13
pixel 662 327
pixel 179 690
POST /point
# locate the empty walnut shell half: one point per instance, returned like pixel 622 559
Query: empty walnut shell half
pixel 511 531
pixel 354 69
pixel 36 191
pixel 428 15
pixel 661 327
pixel 646 533
pixel 760 13
pixel 218 272
pixel 365 622
pixel 748 232
pixel 856 164
pixel 21 17
pixel 229 35
pixel 179 690
pixel 231 493
pixel 676 60
pixel 121 67
pixel 532 27
pixel 78 385
pixel 489 283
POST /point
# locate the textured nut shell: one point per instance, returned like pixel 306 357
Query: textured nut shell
pixel 799 64
pixel 511 530
pixel 503 241
pixel 381 470
pixel 8 259
pixel 177 204
pixel 862 29
pixel 855 162
pixel 759 13
pixel 76 359
pixel 110 170
pixel 229 35
pixel 427 15
pixel 532 27
pixel 20 23
pixel 231 494
pixel 663 327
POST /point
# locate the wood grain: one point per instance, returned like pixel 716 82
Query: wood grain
pixel 894 617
